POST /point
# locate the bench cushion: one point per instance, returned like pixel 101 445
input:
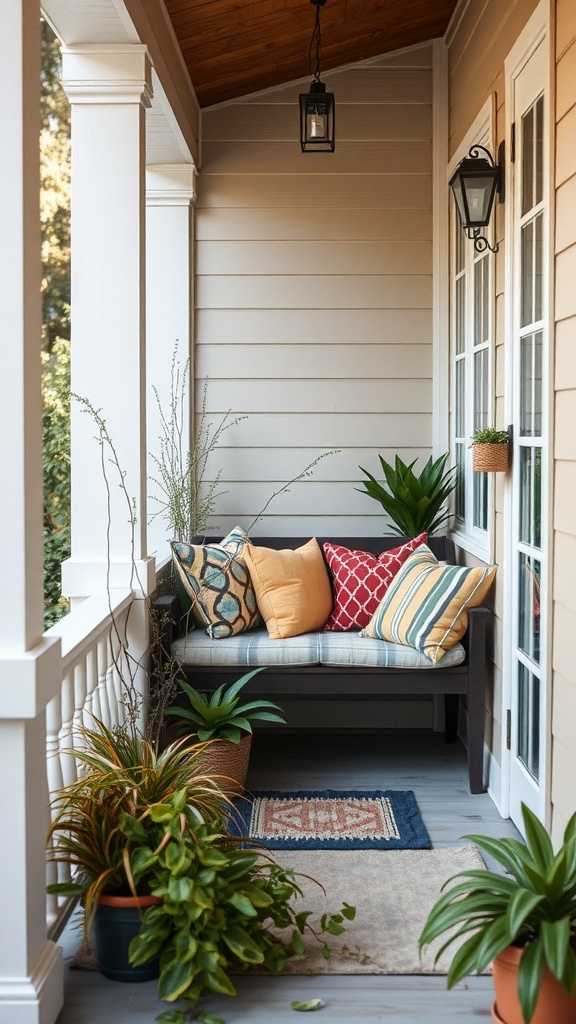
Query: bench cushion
pixel 331 649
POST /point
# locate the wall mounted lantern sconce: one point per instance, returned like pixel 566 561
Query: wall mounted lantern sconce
pixel 317 108
pixel 475 183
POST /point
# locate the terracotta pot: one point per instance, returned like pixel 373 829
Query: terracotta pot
pixel 490 458
pixel 230 761
pixel 117 921
pixel 554 1005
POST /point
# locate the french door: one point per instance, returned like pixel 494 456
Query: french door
pixel 526 628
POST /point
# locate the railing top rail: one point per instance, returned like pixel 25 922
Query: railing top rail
pixel 83 626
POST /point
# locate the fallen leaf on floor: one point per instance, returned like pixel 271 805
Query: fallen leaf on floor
pixel 308 1004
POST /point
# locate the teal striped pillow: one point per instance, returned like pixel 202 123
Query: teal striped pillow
pixel 426 605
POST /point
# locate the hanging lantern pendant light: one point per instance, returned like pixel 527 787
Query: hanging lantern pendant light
pixel 317 109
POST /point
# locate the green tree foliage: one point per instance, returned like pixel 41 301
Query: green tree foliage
pixel 54 194
pixel 55 222
pixel 56 459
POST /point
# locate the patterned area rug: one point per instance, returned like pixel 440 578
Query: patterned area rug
pixel 332 820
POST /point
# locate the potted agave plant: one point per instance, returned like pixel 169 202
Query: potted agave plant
pixel 491 450
pixel 221 718
pixel 152 828
pixel 415 503
pixel 524 922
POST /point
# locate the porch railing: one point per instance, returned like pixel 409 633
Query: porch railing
pixel 91 637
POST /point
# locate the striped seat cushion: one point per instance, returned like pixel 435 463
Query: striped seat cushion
pixel 426 605
pixel 333 649
pixel 247 649
pixel 352 649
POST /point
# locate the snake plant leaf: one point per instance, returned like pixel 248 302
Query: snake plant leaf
pixel 415 504
pixel 521 906
pixel 464 962
pixel 306 1005
pixel 538 841
pixel 555 942
pixel 530 978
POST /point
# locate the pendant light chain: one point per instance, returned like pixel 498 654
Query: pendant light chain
pixel 316 39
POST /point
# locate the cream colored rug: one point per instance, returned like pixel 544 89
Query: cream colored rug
pixel 393 892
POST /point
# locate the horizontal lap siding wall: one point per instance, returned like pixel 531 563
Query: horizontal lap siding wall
pixel 314 294
pixel 564 550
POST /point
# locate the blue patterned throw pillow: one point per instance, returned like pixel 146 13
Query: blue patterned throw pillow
pixel 217 582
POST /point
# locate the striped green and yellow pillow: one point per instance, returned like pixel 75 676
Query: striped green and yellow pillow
pixel 426 604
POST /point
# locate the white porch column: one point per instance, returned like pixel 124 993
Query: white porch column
pixel 109 87
pixel 170 195
pixel 31 988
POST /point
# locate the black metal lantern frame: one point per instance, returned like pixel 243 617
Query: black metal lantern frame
pixel 475 183
pixel 317 107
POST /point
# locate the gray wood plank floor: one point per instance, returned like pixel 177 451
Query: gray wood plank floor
pixel 437 774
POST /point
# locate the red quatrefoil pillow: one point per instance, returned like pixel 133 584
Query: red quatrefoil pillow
pixel 360 580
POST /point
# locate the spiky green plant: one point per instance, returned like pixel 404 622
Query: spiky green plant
pixel 415 504
pixel 122 774
pixel 219 715
pixel 532 907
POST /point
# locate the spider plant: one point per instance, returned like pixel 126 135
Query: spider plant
pixel 532 907
pixel 122 776
pixel 415 504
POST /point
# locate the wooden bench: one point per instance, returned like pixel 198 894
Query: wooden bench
pixel 352 682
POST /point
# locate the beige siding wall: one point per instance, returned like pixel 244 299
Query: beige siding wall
pixel 314 295
pixel 481 35
pixel 564 522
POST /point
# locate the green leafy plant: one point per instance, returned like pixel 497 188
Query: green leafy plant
pixel 137 823
pixel 222 906
pixel 122 776
pixel 489 435
pixel 415 504
pixel 532 907
pixel 219 715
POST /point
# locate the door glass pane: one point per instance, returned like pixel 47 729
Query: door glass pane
pixel 528 748
pixel 530 496
pixel 528 161
pixel 529 606
pixel 460 420
pixel 527 274
pixel 460 314
pixel 538 254
pixel 539 159
pixel 459 492
pixel 459 243
pixel 481 389
pixel 480 497
pixel 481 297
pixel 531 385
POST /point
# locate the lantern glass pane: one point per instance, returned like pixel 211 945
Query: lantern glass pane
pixel 479 191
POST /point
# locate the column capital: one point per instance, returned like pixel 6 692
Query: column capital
pixel 107 73
pixel 170 184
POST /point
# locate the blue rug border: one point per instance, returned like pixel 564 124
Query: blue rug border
pixel 403 803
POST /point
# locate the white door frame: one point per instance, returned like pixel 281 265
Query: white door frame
pixel 536 31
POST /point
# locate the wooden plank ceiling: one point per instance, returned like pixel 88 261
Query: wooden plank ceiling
pixel 236 47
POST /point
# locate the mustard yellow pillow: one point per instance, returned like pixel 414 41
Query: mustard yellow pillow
pixel 292 588
pixel 426 605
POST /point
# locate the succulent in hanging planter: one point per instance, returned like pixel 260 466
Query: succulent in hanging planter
pixel 415 504
pixel 491 449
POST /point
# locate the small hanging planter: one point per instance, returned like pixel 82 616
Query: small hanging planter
pixel 491 450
